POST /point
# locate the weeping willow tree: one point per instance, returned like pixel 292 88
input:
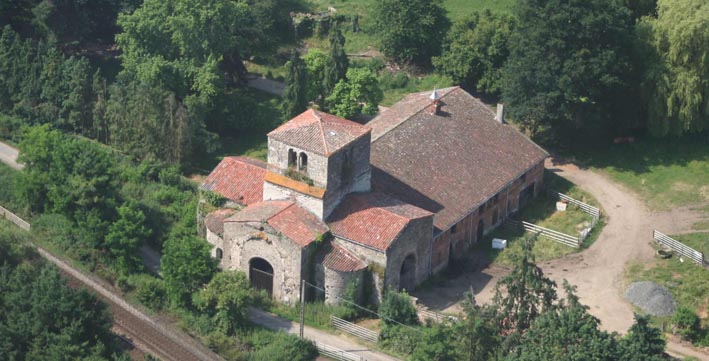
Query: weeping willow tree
pixel 676 81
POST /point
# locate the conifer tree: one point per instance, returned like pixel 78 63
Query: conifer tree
pixel 337 64
pixel 295 95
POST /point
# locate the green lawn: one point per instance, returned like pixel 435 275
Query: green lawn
pixel 542 211
pixel 666 173
pixel 687 281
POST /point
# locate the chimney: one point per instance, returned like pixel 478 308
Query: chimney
pixel 500 117
pixel 436 102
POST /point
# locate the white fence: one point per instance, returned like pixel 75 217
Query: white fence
pixel 678 247
pixel 336 353
pixel 595 212
pixel 549 233
pixel 355 330
pixel 14 219
pixel 434 316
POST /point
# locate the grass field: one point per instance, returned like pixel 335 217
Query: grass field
pixel 666 173
pixel 542 211
pixel 686 281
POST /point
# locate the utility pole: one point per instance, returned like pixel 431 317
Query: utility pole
pixel 302 309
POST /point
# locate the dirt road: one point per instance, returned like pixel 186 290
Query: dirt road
pixel 8 155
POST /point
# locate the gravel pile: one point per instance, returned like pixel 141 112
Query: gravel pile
pixel 651 298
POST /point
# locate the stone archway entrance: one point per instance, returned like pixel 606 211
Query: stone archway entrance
pixel 407 277
pixel 261 275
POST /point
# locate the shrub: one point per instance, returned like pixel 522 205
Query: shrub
pixel 397 307
pixel 149 290
pixel 686 323
pixel 400 339
pixel 268 345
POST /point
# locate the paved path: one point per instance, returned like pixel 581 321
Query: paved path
pixel 270 86
pixel 8 155
pixel 276 323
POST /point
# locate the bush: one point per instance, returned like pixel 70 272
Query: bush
pixel 269 345
pixel 400 339
pixel 149 290
pixel 686 323
pixel 397 307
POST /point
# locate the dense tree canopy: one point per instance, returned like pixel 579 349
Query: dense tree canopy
pixel 676 79
pixel 226 298
pixel 569 66
pixel 475 50
pixel 358 93
pixel 410 30
pixel 186 265
pixel 295 94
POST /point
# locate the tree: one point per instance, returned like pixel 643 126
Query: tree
pixel 475 50
pixel 527 293
pixel 44 319
pixel 186 265
pixel 359 93
pixel 336 64
pixel 569 67
pixel 686 323
pixel 643 342
pixel 410 30
pixel 295 95
pixel 567 332
pixel 437 344
pixel 396 307
pixel 226 298
pixel 676 76
pixel 479 334
pixel 126 235
pixel 640 8
pixel 315 61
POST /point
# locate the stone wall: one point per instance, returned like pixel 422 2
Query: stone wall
pixel 414 240
pixel 335 282
pixel 371 257
pixel 276 192
pixel 244 241
pixel 317 164
pixel 217 243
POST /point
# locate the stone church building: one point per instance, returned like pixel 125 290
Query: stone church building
pixel 394 199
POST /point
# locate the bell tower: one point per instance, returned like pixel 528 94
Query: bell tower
pixel 315 159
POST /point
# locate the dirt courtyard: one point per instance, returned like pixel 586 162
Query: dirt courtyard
pixel 598 272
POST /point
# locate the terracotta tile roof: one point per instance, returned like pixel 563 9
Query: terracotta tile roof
pixel 373 219
pixel 318 132
pixel 448 163
pixel 215 220
pixel 239 179
pixel 336 258
pixel 294 222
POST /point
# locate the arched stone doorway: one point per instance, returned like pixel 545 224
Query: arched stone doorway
pixel 261 275
pixel 407 277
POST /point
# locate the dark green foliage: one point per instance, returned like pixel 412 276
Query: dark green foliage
pixel 478 332
pixel 126 235
pixel 226 298
pixel 675 85
pixel 523 294
pixel 186 265
pixel 337 63
pixel 569 67
pixel 437 344
pixel 44 319
pixel 400 339
pixel 475 50
pixel 410 30
pixel 40 85
pixel 640 8
pixel 686 323
pixel 567 332
pixel 149 290
pixel 268 345
pixel 397 307
pixel 357 94
pixel 643 342
pixel 295 99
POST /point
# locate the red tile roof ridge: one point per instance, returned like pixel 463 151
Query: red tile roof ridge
pixel 282 204
pixel 338 258
pixel 322 131
pixel 448 91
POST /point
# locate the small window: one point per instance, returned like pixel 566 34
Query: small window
pixel 303 161
pixel 292 158
pixel 220 253
pixel 454 229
